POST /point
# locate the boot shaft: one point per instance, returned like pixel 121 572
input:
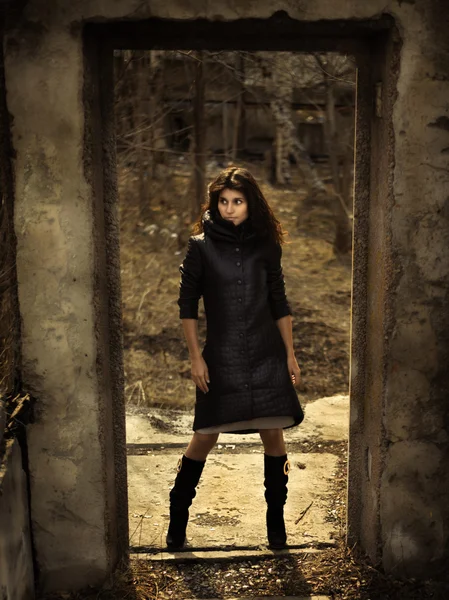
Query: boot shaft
pixel 276 470
pixel 187 478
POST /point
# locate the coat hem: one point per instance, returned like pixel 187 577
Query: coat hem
pixel 221 427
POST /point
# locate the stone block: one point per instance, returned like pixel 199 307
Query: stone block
pixel 410 412
pixel 16 565
pixel 414 507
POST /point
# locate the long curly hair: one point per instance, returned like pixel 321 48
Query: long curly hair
pixel 259 211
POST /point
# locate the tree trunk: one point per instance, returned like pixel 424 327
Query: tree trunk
pixel 156 107
pixel 343 226
pixel 199 136
pixel 331 136
pixel 278 154
pixel 225 129
pixel 239 111
pixel 287 142
pixel 142 135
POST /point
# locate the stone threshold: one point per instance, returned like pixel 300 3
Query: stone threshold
pixel 190 556
pixel 277 598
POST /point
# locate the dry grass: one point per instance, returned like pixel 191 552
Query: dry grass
pixel 341 573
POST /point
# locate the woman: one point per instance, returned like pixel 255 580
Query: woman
pixel 246 373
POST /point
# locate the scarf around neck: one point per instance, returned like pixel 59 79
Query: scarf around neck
pixel 223 230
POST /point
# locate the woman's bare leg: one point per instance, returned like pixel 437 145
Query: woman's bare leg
pixel 200 445
pixel 273 441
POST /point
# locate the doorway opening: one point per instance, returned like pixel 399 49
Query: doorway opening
pixel 155 158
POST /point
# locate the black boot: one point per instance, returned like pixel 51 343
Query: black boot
pixel 276 478
pixel 181 496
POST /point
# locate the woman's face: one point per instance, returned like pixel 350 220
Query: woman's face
pixel 233 205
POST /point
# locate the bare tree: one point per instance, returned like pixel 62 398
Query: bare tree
pixel 340 153
pixel 140 116
pixel 144 132
pixel 271 80
pixel 240 109
pixel 199 149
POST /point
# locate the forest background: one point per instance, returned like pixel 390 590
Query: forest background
pixel 181 116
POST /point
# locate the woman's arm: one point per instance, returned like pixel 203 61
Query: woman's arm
pixel 199 370
pixel 190 291
pixel 285 327
pixel 277 296
pixel 191 283
pixel 190 327
pixel 281 310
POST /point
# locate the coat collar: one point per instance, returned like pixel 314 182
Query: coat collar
pixel 220 229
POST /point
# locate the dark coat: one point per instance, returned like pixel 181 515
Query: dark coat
pixel 240 277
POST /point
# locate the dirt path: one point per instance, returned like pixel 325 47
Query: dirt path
pixel 229 510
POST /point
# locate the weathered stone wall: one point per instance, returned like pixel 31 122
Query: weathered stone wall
pixel 414 492
pixel 9 308
pixel 16 565
pixel 64 310
pixel 401 339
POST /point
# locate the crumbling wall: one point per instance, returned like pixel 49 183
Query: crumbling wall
pixel 399 381
pixel 16 564
pixel 9 307
pixel 414 490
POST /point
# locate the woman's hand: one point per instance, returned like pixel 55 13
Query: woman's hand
pixel 294 370
pixel 200 373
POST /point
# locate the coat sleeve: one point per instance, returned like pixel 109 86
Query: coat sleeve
pixel 277 297
pixel 190 285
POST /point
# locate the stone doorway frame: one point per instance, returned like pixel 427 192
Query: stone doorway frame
pixel 78 469
pixel 375 46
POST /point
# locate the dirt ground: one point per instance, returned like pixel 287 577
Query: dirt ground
pixel 153 244
pixel 340 573
pixel 229 509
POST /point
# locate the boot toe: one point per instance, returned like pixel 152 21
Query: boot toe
pixel 277 541
pixel 174 543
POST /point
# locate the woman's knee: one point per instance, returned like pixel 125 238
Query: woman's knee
pixel 206 440
pixel 273 441
pixel 271 436
pixel 200 445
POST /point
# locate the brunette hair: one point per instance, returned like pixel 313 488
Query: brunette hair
pixel 259 211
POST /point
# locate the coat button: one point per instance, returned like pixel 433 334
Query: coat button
pixel 237 249
pixel 239 281
pixel 246 385
pixel 241 334
pixel 240 299
pixel 238 263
